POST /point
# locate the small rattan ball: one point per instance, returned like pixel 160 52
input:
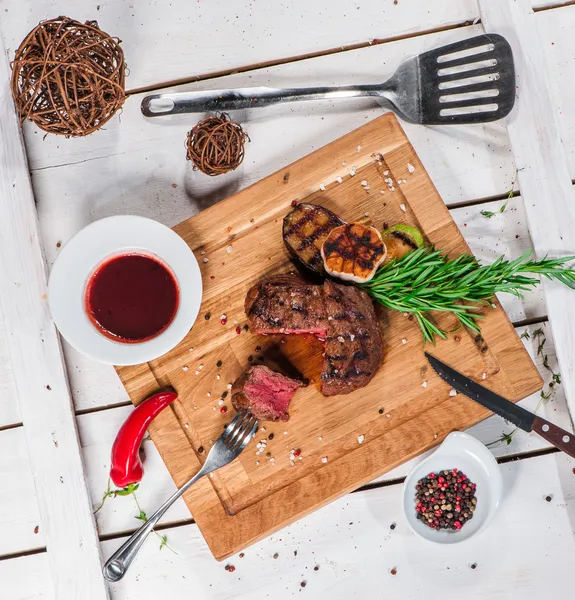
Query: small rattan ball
pixel 68 77
pixel 216 145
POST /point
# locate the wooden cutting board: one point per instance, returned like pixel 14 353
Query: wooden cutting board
pixel 345 441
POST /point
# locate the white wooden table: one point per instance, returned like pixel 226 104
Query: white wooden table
pixel 361 543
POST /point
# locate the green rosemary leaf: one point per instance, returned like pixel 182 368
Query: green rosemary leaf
pixel 426 281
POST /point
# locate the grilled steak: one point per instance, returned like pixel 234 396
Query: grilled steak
pixel 286 304
pixel 354 346
pixel 342 315
pixel 265 393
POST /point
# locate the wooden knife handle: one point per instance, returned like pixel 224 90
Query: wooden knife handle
pixel 555 435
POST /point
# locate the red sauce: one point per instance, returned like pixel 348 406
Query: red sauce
pixel 132 298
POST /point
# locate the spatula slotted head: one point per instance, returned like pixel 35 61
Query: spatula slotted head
pixel 472 81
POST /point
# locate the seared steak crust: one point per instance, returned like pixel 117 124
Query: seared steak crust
pixel 342 315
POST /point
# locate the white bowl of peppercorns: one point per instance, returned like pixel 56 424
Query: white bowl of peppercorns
pixel 453 494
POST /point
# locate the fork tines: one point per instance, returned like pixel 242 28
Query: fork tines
pixel 240 431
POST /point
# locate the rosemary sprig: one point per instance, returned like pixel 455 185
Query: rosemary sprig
pixel 425 280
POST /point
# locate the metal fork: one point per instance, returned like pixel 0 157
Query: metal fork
pixel 470 81
pixel 227 447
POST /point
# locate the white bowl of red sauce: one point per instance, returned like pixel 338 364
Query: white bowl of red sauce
pixel 125 290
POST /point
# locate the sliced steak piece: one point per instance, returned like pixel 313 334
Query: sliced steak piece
pixel 354 346
pixel 265 393
pixel 286 304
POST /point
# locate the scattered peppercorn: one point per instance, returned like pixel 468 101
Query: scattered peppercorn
pixel 473 565
pixel 238 330
pixel 250 358
pixel 271 436
pixel 297 452
pixel 293 202
pixel 392 526
pixel 230 568
pixel 207 316
pixel 224 394
pixel 316 568
pixel 276 555
pixel 445 500
pixel 393 571
pixel 246 328
pixel 380 411
pixel 303 583
pixel 224 410
pixel 219 363
pixel 36 529
pixel 242 554
pixel 548 498
pixel 268 454
pixel 200 449
pixel 258 348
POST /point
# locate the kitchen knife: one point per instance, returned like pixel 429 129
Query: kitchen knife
pixel 508 410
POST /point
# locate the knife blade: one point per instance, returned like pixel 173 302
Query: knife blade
pixel 517 415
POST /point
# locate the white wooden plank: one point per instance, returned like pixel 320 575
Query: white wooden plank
pixel 39 375
pixel 543 171
pixel 527 552
pixel 26 578
pixel 9 409
pixel 170 39
pixel 141 158
pixel 19 514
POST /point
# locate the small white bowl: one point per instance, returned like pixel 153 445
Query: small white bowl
pixel 88 249
pixel 463 452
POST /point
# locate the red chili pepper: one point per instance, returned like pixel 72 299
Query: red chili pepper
pixel 126 463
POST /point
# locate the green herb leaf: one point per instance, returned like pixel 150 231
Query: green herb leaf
pixel 164 541
pixel 142 516
pixel 129 489
pixel 525 335
pixel 425 280
pixel 487 213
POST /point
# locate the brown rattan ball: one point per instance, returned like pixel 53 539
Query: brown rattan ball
pixel 68 77
pixel 216 145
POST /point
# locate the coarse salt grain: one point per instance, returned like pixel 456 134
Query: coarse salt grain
pixel 364 183
pixel 381 192
pixel 360 439
pixel 223 317
pixel 484 376
pixel 218 377
pixel 404 341
pixel 339 179
pixel 351 337
pixel 386 173
pixel 452 392
pixel 186 425
pixel 322 187
pixel 320 437
pixel 285 432
pixel 410 167
pixel 424 384
pixel 388 415
pixel 214 408
pixel 229 386
pixel 402 206
pixel 229 249
pixel 324 459
pixel 185 369
pixel 220 402
pixel 197 372
pixel 343 163
pixel 340 339
pixel 353 171
pixel 206 260
pixel 435 436
pixel 359 148
pixel 202 252
pixel 201 367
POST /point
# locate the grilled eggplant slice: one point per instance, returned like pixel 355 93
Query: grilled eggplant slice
pixel 401 239
pixel 305 229
pixel 353 252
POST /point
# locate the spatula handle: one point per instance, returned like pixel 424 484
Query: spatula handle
pixel 555 435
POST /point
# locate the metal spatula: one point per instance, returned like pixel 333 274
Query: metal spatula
pixel 472 81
